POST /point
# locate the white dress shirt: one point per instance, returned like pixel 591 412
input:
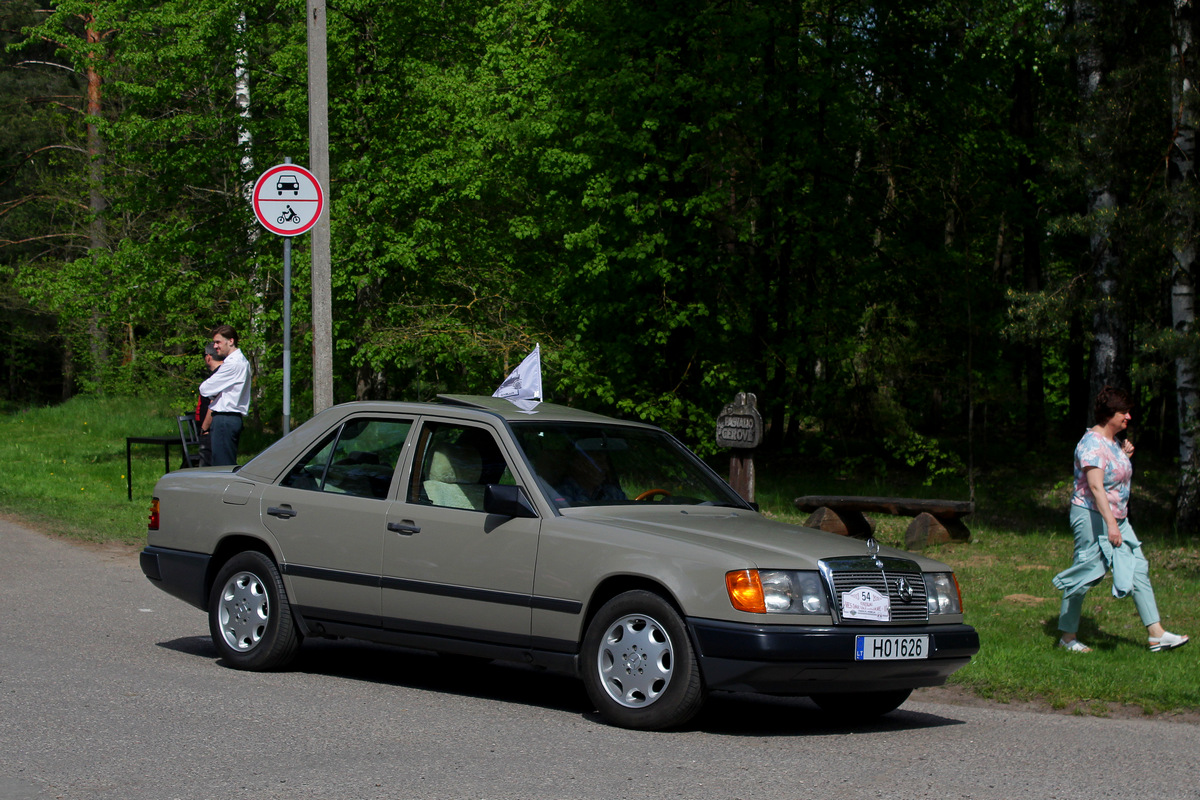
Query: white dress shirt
pixel 229 386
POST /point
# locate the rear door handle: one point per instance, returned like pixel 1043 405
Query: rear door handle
pixel 283 512
pixel 405 528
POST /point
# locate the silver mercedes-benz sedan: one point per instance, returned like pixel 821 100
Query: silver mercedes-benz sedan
pixel 558 538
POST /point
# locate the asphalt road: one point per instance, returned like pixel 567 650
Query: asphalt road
pixel 110 688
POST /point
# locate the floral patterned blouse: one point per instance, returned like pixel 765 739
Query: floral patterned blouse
pixel 1094 450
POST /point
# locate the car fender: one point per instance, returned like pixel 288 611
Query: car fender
pixel 589 563
pixel 189 521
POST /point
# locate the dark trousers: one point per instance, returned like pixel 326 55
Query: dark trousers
pixel 225 431
pixel 205 449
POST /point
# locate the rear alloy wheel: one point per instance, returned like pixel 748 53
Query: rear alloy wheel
pixel 639 667
pixel 249 616
pixel 861 705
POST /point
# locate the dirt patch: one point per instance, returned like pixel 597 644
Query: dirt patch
pixel 976 561
pixel 110 550
pixel 1025 599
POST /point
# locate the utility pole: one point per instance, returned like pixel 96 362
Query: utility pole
pixel 318 155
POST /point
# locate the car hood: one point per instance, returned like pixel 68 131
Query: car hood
pixel 765 542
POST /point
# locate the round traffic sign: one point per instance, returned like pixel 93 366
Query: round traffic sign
pixel 288 199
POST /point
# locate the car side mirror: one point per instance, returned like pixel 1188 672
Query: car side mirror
pixel 507 501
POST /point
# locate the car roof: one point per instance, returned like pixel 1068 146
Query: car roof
pixel 269 464
pixel 542 411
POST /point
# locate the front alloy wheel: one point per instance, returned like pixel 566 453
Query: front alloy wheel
pixel 639 666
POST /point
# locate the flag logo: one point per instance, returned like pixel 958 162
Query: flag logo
pixel 523 386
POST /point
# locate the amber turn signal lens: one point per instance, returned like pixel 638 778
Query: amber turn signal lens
pixel 745 591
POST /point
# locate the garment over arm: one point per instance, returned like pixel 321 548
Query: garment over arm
pixel 229 385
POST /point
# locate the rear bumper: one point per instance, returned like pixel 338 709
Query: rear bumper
pixel 180 573
pixel 786 659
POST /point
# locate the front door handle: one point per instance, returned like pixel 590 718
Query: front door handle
pixel 283 512
pixel 405 528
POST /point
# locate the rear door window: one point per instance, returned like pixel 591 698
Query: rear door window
pixel 358 459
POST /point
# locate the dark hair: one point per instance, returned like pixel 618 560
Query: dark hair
pixel 227 331
pixel 1110 401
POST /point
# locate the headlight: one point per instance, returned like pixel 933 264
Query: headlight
pixel 942 590
pixel 776 591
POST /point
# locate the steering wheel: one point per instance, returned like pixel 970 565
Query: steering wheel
pixel 646 495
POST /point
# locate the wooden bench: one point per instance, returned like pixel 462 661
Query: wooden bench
pixel 934 521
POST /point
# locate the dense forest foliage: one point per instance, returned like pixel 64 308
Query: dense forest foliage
pixel 910 223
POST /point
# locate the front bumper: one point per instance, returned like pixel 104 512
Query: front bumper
pixel 793 660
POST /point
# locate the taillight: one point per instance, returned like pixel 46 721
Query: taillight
pixel 153 515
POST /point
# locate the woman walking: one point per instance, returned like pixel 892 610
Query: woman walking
pixel 1104 539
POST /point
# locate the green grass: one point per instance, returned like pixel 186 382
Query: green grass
pixel 62 470
pixel 1006 588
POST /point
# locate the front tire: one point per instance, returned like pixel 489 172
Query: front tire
pixel 249 616
pixel 638 664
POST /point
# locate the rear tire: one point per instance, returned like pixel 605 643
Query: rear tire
pixel 638 664
pixel 861 705
pixel 249 616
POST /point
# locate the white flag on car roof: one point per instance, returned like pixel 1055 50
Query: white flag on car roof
pixel 523 386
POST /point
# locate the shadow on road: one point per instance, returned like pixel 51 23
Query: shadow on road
pixel 729 714
pixel 764 715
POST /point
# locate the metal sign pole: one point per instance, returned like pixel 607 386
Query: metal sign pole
pixel 288 200
pixel 287 334
pixel 287 330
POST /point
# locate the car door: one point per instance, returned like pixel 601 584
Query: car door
pixel 449 568
pixel 329 515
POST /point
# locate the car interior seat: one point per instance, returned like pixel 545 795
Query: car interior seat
pixel 453 479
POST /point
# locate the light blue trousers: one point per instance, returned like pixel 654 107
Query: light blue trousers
pixel 1094 556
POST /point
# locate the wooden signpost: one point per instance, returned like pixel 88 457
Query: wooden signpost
pixel 740 428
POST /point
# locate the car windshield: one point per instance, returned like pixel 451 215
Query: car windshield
pixel 592 465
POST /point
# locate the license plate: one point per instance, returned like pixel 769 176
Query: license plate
pixel 890 648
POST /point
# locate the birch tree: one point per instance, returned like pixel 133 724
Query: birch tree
pixel 1182 224
pixel 1110 353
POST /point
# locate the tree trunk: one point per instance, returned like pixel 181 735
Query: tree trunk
pixel 1110 358
pixel 68 370
pixel 97 204
pixel 1025 127
pixel 256 348
pixel 371 384
pixel 1181 179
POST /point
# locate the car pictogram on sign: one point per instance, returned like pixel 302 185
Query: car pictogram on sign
pixel 287 183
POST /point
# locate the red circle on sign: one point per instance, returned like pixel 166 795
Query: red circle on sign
pixel 288 199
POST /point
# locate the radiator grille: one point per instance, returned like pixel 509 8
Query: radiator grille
pixel 845 574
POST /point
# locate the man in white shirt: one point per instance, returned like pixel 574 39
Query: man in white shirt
pixel 229 390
